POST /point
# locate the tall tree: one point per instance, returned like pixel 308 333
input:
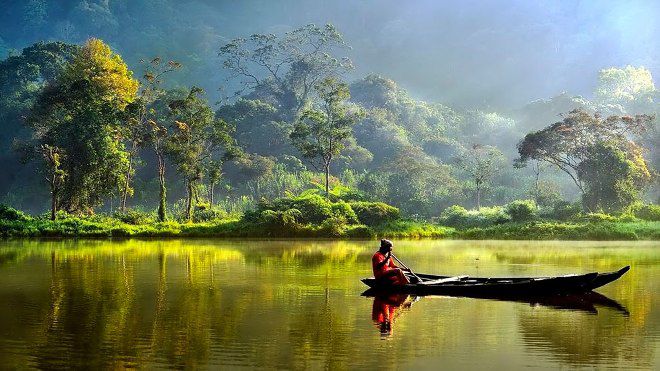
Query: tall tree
pixel 54 175
pixel 571 143
pixel 142 129
pixel 285 68
pixel 321 134
pixel 81 114
pixel 22 79
pixel 567 143
pixel 481 163
pixel 631 88
pixel 197 140
pixel 613 181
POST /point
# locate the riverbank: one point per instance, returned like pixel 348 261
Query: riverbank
pixel 99 227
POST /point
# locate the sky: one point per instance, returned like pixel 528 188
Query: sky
pixel 479 53
pixel 467 53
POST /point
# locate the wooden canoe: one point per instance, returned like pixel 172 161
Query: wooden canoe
pixel 500 287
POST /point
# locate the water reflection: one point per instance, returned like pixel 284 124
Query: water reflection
pixel 296 304
pixel 386 308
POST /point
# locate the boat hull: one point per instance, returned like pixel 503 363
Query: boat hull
pixel 501 287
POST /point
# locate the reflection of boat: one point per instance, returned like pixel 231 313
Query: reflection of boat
pixel 500 287
pixel 586 302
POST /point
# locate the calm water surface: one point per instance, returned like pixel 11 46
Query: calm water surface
pixel 297 304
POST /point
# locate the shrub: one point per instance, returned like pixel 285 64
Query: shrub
pixel 313 208
pixel 9 213
pixel 208 214
pixel 564 210
pixel 361 231
pixel 459 217
pixel 648 212
pixel 521 210
pixel 374 213
pixel 453 215
pixel 280 223
pixel 334 226
pixel 597 218
pixel 342 209
pixel 134 217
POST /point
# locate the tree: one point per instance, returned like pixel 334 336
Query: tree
pixel 258 127
pixel 567 143
pixel 320 134
pixel 612 181
pixel 22 79
pixel 287 67
pixel 481 163
pixel 80 113
pixel 142 128
pixel 629 87
pixel 197 140
pixel 54 174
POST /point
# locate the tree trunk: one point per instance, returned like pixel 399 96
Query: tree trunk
pixel 537 193
pixel 53 202
pixel 211 195
pixel 189 196
pixel 163 190
pixel 127 183
pixel 327 180
pixel 478 196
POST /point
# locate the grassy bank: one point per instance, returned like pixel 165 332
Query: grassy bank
pixel 546 230
pixel 313 216
pixel 107 227
pixel 540 230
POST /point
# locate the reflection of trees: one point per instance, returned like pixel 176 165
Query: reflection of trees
pixel 85 310
pixel 284 304
pixel 580 339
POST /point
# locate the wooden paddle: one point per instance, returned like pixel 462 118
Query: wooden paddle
pixel 419 280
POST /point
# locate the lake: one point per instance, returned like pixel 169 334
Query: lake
pixel 297 304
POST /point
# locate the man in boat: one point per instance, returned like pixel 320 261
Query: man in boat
pixel 384 267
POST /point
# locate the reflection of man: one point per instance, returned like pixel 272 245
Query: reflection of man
pixel 384 310
pixel 384 268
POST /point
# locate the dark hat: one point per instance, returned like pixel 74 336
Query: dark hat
pixel 385 243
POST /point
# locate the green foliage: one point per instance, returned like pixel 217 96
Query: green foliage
pixel 522 210
pixel 207 214
pixel 285 67
pixel 649 212
pixel 345 211
pixel 11 214
pixel 199 142
pixel 596 153
pixel 411 229
pixel 314 209
pixel 566 231
pixel 321 134
pixel 280 223
pixel 610 179
pixel 459 217
pixel 597 217
pixel 375 213
pixel 480 163
pixel 134 217
pixel 564 210
pixel 335 226
pixel 80 114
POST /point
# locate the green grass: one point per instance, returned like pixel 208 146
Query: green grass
pixel 104 227
pixel 548 230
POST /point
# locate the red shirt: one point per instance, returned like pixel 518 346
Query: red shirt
pixel 376 260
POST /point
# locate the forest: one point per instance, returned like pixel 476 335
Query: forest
pixel 293 142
